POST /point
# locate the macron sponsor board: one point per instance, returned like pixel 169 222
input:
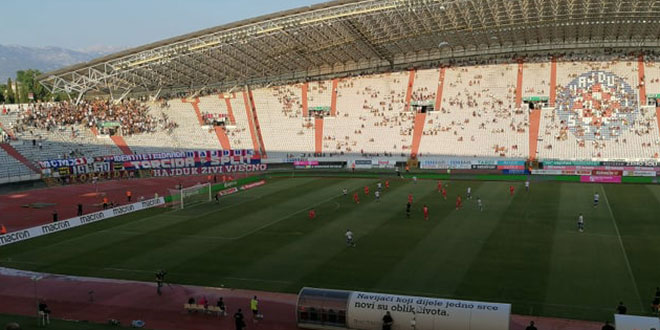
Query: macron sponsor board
pixel 55 227
pixel 607 172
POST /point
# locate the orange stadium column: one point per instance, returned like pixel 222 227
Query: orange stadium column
pixel 553 81
pixel 534 124
pixel 195 105
pixel 230 111
pixel 253 133
pixel 409 89
pixel 441 86
pixel 257 126
pixel 305 109
pixel 519 84
pixel 18 156
pixel 318 136
pixel 418 129
pixel 121 144
pixel 333 101
pixel 641 80
pixel 222 137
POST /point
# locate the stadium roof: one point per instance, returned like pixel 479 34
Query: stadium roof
pixel 347 36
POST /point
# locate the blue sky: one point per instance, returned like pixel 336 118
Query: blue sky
pixel 81 24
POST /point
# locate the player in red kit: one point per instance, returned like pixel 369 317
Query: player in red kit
pixel 312 214
pixel 444 193
pixel 366 190
pixel 426 212
pixel 511 190
pixel 410 198
pixel 356 198
pixel 439 186
pixel 459 201
pixel 387 184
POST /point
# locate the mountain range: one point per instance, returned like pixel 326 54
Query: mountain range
pixel 44 59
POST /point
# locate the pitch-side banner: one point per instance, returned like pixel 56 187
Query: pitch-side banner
pixel 21 235
pixel 366 311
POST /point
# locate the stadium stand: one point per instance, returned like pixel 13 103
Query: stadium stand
pixel 283 125
pixel 478 115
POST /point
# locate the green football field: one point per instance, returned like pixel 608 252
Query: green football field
pixel 524 249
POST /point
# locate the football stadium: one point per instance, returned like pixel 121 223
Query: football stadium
pixel 356 164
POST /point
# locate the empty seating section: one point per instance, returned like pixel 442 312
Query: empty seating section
pixel 190 134
pixel 284 128
pixel 370 119
pixel 652 74
pixel 238 134
pixel 536 79
pixel 478 115
pixel 320 94
pixel 11 167
pixel 425 87
pixel 623 133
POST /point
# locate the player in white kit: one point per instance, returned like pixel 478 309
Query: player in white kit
pixel 580 223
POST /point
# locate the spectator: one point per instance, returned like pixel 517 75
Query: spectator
pixel 44 313
pixel 531 326
pixel 607 326
pixel 621 309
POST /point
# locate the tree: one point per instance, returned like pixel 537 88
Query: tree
pixel 3 90
pixel 10 92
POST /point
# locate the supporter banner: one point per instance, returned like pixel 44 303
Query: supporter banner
pixel 607 172
pixel 54 227
pixel 209 170
pixel 643 163
pixel 600 179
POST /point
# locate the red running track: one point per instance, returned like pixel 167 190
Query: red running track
pixel 68 297
pixel 66 198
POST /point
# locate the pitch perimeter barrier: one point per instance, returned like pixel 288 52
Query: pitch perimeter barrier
pixel 50 228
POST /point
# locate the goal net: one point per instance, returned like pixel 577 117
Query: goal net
pixel 189 196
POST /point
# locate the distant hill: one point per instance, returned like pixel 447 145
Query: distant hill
pixel 14 58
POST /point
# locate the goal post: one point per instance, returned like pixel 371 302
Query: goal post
pixel 192 195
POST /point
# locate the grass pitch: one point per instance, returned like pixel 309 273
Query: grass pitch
pixel 523 249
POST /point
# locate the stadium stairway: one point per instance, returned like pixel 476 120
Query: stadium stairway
pixel 418 129
pixel 230 111
pixel 262 146
pixel 121 144
pixel 117 140
pixel 251 123
pixel 641 80
pixel 553 81
pixel 409 89
pixel 17 155
pixel 305 107
pixel 195 105
pixel 223 138
pixel 318 136
pixel 333 100
pixel 519 84
pixel 441 86
pixel 534 124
